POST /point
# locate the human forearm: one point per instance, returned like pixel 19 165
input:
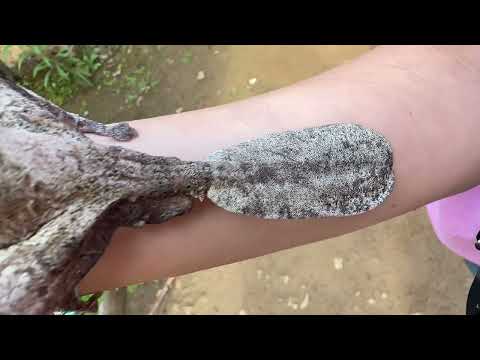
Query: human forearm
pixel 419 98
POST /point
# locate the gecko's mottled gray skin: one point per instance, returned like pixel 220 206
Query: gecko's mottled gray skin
pixel 334 170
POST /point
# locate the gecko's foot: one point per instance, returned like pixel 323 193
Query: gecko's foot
pixel 118 132
pixel 121 132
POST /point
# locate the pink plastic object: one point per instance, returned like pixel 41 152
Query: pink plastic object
pixel 456 222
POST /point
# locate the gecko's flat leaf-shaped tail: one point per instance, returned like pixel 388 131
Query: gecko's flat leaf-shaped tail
pixel 333 170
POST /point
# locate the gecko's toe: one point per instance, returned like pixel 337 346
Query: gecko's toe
pixel 122 132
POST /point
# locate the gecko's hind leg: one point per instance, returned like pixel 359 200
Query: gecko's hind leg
pixel 137 212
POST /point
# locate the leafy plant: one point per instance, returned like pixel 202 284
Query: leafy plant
pixel 132 288
pixel 6 52
pixel 57 73
pixel 86 298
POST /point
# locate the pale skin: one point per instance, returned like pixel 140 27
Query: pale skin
pixel 423 99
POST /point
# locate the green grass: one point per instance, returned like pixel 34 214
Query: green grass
pixel 56 73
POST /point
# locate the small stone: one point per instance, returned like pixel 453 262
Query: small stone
pixel 371 301
pixel 188 310
pixel 384 295
pixel 242 312
pixel 279 300
pixel 200 75
pixel 417 313
pixel 357 294
pixel 179 110
pixel 219 92
pixel 285 279
pixel 216 52
pixel 338 263
pixel 139 101
pixel 170 61
pixel 291 304
pixel 259 274
pixel 305 302
pixel 252 81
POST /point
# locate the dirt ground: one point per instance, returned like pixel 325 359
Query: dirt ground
pixel 397 267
